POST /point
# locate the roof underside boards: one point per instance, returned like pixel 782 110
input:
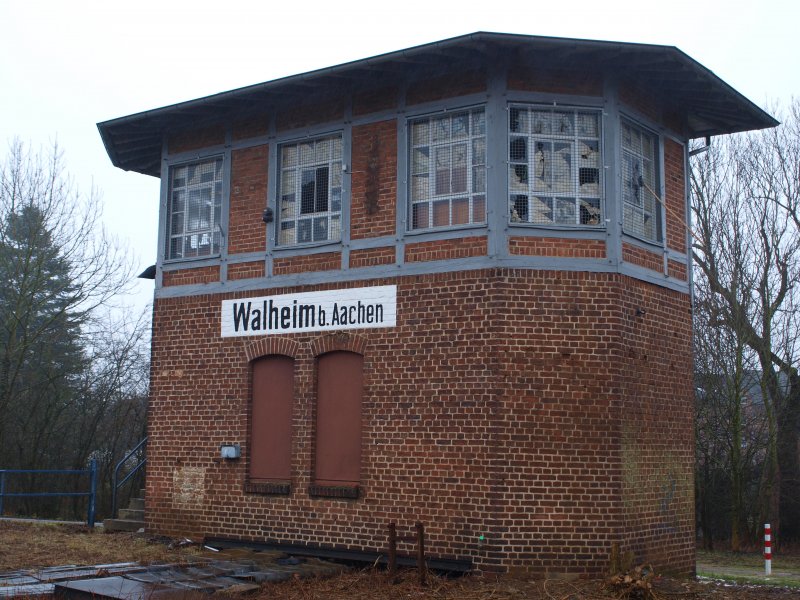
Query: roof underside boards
pixel 707 105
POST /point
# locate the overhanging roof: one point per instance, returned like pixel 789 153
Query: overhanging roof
pixel 710 106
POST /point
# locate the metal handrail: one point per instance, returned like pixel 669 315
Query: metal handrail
pixel 131 473
pixel 91 494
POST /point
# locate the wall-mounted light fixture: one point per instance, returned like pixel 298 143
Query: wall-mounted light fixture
pixel 148 273
pixel 230 451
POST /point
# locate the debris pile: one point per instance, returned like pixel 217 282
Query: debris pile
pixel 636 584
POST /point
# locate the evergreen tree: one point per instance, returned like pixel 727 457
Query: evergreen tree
pixel 41 349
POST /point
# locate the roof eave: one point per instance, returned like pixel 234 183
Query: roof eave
pixel 153 124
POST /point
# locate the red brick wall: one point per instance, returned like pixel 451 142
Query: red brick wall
pixel 191 276
pixel 677 270
pixel 641 99
pixel 643 258
pixel 246 270
pixel 370 257
pixel 303 116
pixel 447 249
pixel 657 433
pixel 246 230
pixel 196 139
pixel 251 127
pixel 675 194
pixel 369 101
pixel 374 182
pixel 561 247
pixel 446 86
pixel 325 261
pixel 555 81
pixel 531 407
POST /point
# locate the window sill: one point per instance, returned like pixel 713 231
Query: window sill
pixel 268 488
pixel 446 229
pixel 556 227
pixel 312 246
pixel 190 262
pixel 653 245
pixel 350 492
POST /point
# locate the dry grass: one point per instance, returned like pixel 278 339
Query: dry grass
pixel 373 585
pixel 28 545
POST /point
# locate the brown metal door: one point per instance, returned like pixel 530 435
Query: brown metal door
pixel 340 385
pixel 271 433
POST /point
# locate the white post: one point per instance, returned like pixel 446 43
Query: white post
pixel 767 550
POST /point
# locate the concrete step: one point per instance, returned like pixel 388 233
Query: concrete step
pixel 136 503
pixel 131 514
pixel 122 525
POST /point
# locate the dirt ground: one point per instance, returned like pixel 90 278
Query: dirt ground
pixel 26 545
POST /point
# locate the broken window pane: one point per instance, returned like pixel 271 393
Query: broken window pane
pixel 304 231
pixel 311 171
pixel 195 206
pixel 321 204
pixel 590 212
pixel 419 160
pixel 447 158
pixel 307 192
pixel 519 209
pixel 518 150
pixel 460 125
pixel 441 129
pixel 562 150
pixel 565 211
pixel 442 170
pixel 320 229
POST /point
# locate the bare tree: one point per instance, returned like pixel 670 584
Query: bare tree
pixel 747 248
pixel 69 375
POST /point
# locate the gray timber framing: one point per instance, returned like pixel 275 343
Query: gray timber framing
pixel 139 142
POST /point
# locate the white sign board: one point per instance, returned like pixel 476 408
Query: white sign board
pixel 355 308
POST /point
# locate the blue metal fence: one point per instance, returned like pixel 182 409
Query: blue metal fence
pixel 91 494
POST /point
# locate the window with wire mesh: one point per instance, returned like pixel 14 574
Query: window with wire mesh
pixel 640 212
pixel 555 174
pixel 195 206
pixel 310 191
pixel 447 166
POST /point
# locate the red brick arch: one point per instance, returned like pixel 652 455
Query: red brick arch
pixel 338 340
pixel 272 345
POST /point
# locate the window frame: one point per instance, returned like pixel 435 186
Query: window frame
pixel 469 193
pixel 219 209
pixel 599 140
pixel 657 182
pixel 329 214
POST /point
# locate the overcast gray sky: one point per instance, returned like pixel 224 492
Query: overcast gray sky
pixel 67 65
